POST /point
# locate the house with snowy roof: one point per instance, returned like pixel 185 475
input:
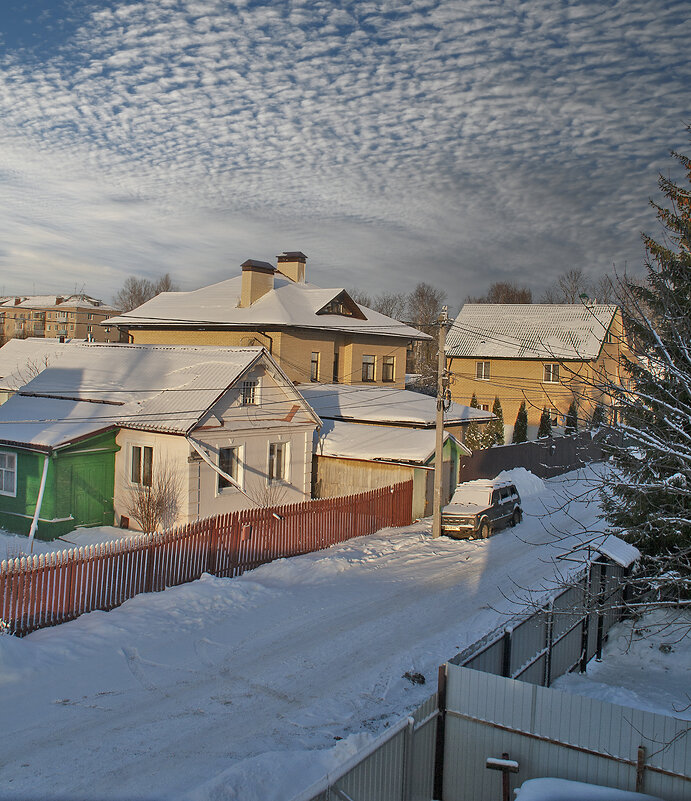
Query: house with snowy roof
pixel 548 355
pixel 55 316
pixel 315 334
pixel 374 437
pixel 90 438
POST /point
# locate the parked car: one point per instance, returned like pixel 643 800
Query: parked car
pixel 479 508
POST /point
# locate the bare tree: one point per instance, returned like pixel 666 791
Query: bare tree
pixel 156 505
pixel 266 494
pixel 424 307
pixel 392 304
pixel 360 297
pixel 504 292
pixel 136 291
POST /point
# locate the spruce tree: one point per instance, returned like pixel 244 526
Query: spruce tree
pixel 473 435
pixel 545 427
pixel 598 418
pixel 648 497
pixel 520 428
pixel 494 431
pixel 571 419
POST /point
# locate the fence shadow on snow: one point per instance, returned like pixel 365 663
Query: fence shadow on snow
pixel 48 589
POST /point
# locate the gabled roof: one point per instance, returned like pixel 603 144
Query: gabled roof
pixel 383 405
pixel 530 331
pixel 288 304
pixel 378 443
pixel 151 387
pixel 22 359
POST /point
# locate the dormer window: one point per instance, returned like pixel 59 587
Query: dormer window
pixel 344 306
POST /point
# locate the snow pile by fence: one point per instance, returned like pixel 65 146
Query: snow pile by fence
pixel 529 485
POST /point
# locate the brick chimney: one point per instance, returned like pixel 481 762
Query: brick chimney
pixel 257 280
pixel 292 264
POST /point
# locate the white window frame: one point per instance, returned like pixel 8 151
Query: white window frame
pixel 250 392
pixel 6 469
pixel 482 371
pixel 240 477
pixel 390 363
pixel 142 449
pixel 368 364
pixel 550 369
pixel 285 478
pixel 315 364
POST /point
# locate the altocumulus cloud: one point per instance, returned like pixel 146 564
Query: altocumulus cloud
pixel 453 142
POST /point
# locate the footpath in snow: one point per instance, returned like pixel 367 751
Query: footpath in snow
pixel 251 688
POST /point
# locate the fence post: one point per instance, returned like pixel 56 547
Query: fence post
pixel 585 631
pixel 149 582
pixel 439 747
pixel 506 655
pixel 549 635
pixel 408 746
pixel 600 616
pixel 640 768
pixel 212 555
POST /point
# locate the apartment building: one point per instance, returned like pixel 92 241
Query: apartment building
pixel 56 316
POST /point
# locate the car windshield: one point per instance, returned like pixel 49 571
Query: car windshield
pixel 474 495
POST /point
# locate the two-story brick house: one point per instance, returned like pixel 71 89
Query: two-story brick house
pixel 315 334
pixel 548 355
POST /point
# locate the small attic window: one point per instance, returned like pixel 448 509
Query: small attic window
pixel 344 306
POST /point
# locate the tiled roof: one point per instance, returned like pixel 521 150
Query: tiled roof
pixel 288 304
pixel 530 331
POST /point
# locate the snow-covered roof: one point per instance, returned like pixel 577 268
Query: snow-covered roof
pixel 288 304
pixel 48 301
pixel 383 405
pixel 150 387
pixel 622 553
pixel 530 331
pixel 22 359
pixel 377 443
pixel 568 790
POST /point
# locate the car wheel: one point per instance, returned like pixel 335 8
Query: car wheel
pixel 516 517
pixel 485 530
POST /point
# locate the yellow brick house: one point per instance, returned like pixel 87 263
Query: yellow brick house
pixel 316 335
pixel 548 355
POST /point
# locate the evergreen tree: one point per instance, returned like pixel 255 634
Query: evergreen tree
pixel 571 419
pixel 545 427
pixel 473 435
pixel 598 418
pixel 648 496
pixel 494 431
pixel 520 428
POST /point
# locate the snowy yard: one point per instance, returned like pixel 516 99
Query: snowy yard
pixel 250 688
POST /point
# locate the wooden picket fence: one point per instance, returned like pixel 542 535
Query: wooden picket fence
pixel 48 589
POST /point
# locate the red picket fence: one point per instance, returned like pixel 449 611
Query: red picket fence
pixel 48 589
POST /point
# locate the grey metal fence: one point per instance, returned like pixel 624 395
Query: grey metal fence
pixel 551 733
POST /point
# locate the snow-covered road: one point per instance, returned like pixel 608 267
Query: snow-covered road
pixel 243 688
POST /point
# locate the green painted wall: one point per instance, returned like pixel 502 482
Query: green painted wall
pixel 79 488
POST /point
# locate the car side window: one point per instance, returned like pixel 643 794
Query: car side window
pixel 495 497
pixel 505 494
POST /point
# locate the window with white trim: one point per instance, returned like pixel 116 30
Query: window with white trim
pixel 482 371
pixel 368 366
pixel 278 452
pixel 142 465
pixel 250 393
pixel 314 366
pixel 229 462
pixel 551 375
pixel 388 369
pixel 8 473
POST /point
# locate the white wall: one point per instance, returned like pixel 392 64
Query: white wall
pixel 274 418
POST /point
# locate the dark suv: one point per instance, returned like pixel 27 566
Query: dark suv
pixel 479 508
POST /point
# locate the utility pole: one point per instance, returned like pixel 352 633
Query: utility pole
pixel 442 391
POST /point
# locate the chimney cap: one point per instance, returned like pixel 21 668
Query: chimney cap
pixel 292 255
pixel 258 266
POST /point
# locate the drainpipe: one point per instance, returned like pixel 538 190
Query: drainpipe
pixel 37 512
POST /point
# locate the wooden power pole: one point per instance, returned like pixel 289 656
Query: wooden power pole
pixel 442 388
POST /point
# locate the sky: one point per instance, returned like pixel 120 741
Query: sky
pixel 454 142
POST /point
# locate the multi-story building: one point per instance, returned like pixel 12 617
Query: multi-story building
pixel 315 334
pixel 56 316
pixel 546 355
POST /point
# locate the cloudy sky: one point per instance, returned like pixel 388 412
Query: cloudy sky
pixel 456 142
